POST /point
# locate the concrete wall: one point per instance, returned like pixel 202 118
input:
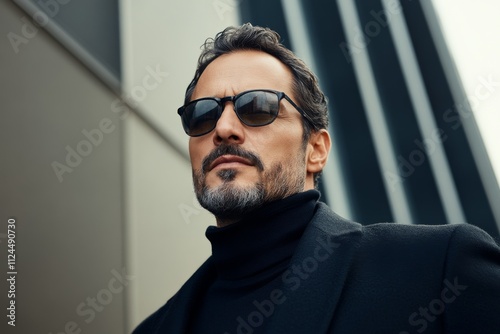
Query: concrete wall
pixel 116 234
pixel 166 227
pixel 69 236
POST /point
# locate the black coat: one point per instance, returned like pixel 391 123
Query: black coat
pixel 346 278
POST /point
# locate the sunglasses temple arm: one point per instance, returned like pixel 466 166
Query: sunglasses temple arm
pixel 299 109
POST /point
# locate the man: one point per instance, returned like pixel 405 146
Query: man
pixel 283 262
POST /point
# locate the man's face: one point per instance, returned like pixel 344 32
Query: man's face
pixel 237 168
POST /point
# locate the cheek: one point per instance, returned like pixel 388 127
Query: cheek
pixel 195 153
pixel 284 149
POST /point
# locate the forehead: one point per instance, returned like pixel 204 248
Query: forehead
pixel 234 72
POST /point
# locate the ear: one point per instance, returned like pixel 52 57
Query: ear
pixel 318 149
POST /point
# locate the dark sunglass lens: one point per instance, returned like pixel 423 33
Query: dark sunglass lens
pixel 200 117
pixel 257 108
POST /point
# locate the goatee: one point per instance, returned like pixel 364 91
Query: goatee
pixel 228 201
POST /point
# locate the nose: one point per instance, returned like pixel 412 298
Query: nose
pixel 229 129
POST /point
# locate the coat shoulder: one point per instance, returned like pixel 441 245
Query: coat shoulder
pixel 329 222
pixel 400 241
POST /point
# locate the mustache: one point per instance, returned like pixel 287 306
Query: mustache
pixel 231 150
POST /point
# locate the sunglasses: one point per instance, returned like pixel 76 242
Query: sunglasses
pixel 257 107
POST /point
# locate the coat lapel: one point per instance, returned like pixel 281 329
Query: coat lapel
pixel 313 284
pixel 183 304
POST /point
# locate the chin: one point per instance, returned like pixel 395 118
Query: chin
pixel 230 177
pixel 236 184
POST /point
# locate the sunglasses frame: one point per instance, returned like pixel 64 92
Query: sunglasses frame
pixel 222 101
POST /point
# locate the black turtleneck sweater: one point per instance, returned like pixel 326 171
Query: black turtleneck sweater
pixel 250 256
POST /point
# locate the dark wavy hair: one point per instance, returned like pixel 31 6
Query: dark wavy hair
pixel 248 37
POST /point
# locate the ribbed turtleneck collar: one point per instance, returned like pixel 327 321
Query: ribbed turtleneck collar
pixel 261 244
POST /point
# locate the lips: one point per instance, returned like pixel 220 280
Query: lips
pixel 229 159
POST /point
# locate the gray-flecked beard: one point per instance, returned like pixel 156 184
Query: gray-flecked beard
pixel 230 202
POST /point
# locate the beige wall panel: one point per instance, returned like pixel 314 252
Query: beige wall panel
pixel 167 35
pixel 166 226
pixel 69 234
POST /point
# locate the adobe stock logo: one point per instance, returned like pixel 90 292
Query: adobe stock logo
pixel 453 118
pixel 188 211
pixel 436 307
pixel 224 6
pixel 297 273
pixel 93 305
pixel 372 29
pixel 74 157
pixel 28 31
pixel 93 138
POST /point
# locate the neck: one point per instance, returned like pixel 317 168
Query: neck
pixel 223 222
pixel 263 238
